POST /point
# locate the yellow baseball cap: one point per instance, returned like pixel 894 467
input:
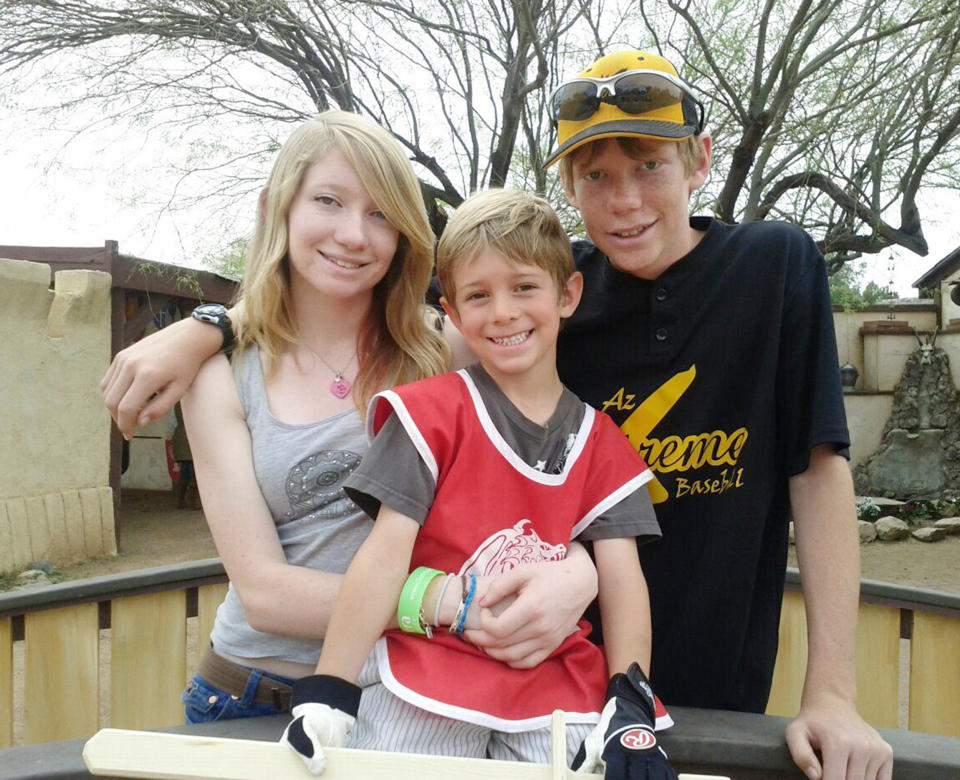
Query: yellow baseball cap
pixel 627 93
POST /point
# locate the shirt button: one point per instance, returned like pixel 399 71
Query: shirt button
pixel 661 334
pixel 661 294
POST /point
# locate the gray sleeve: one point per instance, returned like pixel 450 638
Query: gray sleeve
pixel 392 473
pixel 633 516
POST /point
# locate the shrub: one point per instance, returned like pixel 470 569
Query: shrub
pixel 867 510
pixel 948 507
pixel 919 509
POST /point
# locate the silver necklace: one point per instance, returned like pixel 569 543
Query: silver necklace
pixel 339 387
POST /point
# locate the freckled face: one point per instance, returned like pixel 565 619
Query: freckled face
pixel 636 209
pixel 340 243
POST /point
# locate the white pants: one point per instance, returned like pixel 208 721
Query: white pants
pixel 387 722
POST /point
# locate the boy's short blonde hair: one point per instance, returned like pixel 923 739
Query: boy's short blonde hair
pixel 689 149
pixel 521 226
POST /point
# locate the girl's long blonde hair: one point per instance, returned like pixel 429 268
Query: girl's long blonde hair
pixel 397 344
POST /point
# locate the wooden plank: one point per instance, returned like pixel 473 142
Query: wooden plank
pixel 6 540
pixel 92 525
pixel 148 659
pixel 38 529
pixel 60 550
pixel 209 597
pixel 6 682
pixel 878 664
pixel 19 533
pixel 119 753
pixel 74 528
pixel 108 532
pixel 61 673
pixel 141 754
pixel 791 663
pixel 935 674
pixel 73 514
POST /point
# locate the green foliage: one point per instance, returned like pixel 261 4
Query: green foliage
pixel 183 279
pixel 867 510
pixel 948 507
pixel 11 579
pixel 919 509
pixel 846 290
pixel 231 260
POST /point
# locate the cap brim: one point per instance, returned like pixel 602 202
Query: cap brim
pixel 637 128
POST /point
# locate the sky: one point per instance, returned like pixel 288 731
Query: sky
pixel 112 183
pixel 119 182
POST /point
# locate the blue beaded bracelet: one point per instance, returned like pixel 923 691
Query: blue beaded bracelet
pixel 466 604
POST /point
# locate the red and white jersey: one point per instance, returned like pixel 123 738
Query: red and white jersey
pixel 492 512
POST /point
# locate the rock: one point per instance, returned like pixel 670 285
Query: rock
pixel 868 532
pixel 45 566
pixel 929 534
pixel 950 524
pixel 891 529
pixel 886 503
pixel 32 578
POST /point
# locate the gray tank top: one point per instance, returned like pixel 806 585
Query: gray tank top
pixel 300 470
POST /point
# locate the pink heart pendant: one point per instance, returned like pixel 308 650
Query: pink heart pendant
pixel 340 388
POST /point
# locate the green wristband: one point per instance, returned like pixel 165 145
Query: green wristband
pixel 410 605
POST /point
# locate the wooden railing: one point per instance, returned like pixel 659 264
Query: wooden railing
pixel 104 651
pixel 113 651
pixel 908 657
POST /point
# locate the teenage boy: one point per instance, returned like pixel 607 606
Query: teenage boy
pixel 475 472
pixel 712 346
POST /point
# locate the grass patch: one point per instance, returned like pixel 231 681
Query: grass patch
pixel 8 580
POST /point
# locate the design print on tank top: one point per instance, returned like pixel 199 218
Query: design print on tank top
pixel 508 548
pixel 315 484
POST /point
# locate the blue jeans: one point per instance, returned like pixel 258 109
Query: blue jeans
pixel 203 703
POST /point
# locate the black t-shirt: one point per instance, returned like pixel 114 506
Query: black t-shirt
pixel 724 374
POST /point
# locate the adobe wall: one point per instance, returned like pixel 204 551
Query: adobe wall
pixel 55 500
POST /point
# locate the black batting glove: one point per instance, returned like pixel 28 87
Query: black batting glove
pixel 623 744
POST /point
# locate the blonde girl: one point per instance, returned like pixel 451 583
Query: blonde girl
pixel 330 312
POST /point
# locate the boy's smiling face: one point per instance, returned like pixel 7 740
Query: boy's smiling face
pixel 635 208
pixel 509 314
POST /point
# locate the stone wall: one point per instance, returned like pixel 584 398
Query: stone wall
pixel 879 348
pixel 55 499
pixel 919 454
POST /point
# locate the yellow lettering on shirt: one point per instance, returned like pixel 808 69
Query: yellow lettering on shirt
pixel 675 453
pixel 621 400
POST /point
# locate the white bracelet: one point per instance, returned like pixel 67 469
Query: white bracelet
pixel 461 609
pixel 443 589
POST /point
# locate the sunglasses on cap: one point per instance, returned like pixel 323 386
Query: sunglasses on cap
pixel 633 92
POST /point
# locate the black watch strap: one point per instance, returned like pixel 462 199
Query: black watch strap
pixel 216 314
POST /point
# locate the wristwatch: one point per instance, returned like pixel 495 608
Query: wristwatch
pixel 217 315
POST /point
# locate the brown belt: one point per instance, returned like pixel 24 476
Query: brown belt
pixel 232 678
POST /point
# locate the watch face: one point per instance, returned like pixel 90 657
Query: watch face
pixel 209 312
pixel 216 314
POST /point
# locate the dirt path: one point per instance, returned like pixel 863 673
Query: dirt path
pixel 927 565
pixel 152 532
